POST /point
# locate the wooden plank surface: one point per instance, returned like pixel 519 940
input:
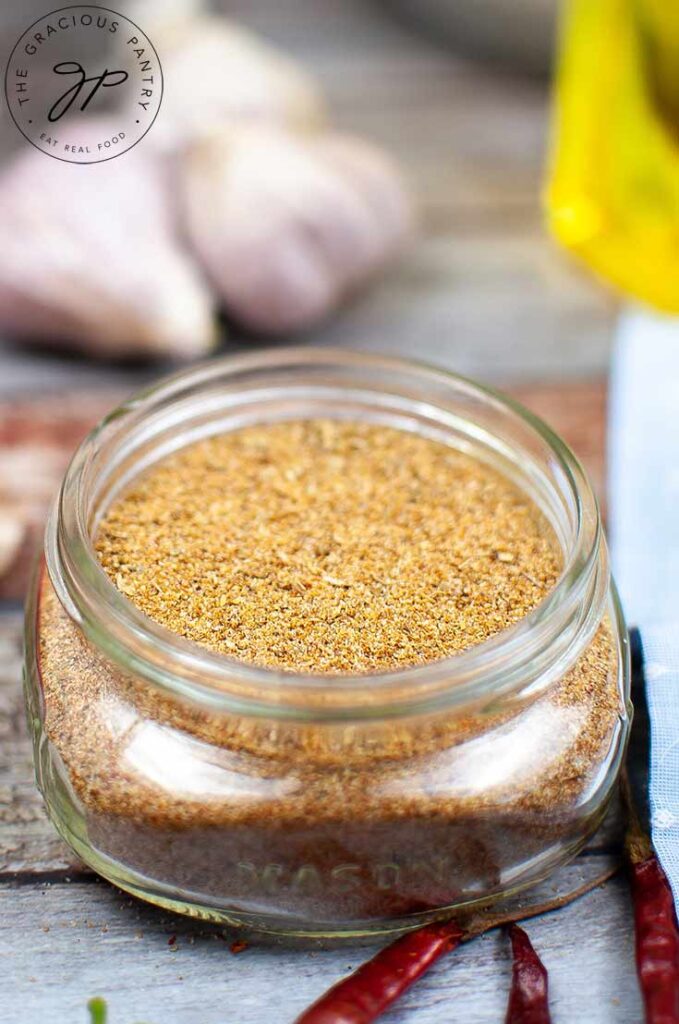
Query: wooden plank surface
pixel 79 940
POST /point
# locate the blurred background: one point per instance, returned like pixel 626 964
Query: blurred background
pixel 457 94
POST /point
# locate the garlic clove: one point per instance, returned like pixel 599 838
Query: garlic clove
pixel 90 259
pixel 378 180
pixel 287 225
pixel 216 72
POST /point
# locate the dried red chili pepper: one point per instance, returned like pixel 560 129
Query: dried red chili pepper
pixel 528 998
pixel 655 923
pixel 657 941
pixel 369 991
pixel 337 1005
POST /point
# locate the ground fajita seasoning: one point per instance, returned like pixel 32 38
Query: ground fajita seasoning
pixel 329 547
pixel 329 551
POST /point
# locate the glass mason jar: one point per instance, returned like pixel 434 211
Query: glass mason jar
pixel 295 804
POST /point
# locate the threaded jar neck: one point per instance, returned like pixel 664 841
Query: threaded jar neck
pixel 302 383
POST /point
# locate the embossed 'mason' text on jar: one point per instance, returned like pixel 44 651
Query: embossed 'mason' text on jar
pixel 296 738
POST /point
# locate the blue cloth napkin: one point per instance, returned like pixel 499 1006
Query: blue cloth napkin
pixel 643 456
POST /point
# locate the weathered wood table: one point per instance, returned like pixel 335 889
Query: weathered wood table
pixel 482 292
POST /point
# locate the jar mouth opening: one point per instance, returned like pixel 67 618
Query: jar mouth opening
pixel 270 385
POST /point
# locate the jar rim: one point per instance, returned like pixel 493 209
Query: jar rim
pixel 491 669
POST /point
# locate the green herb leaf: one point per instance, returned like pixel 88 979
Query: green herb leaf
pixel 98 1011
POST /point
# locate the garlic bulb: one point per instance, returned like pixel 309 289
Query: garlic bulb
pixel 89 258
pixel 286 226
pixel 216 73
